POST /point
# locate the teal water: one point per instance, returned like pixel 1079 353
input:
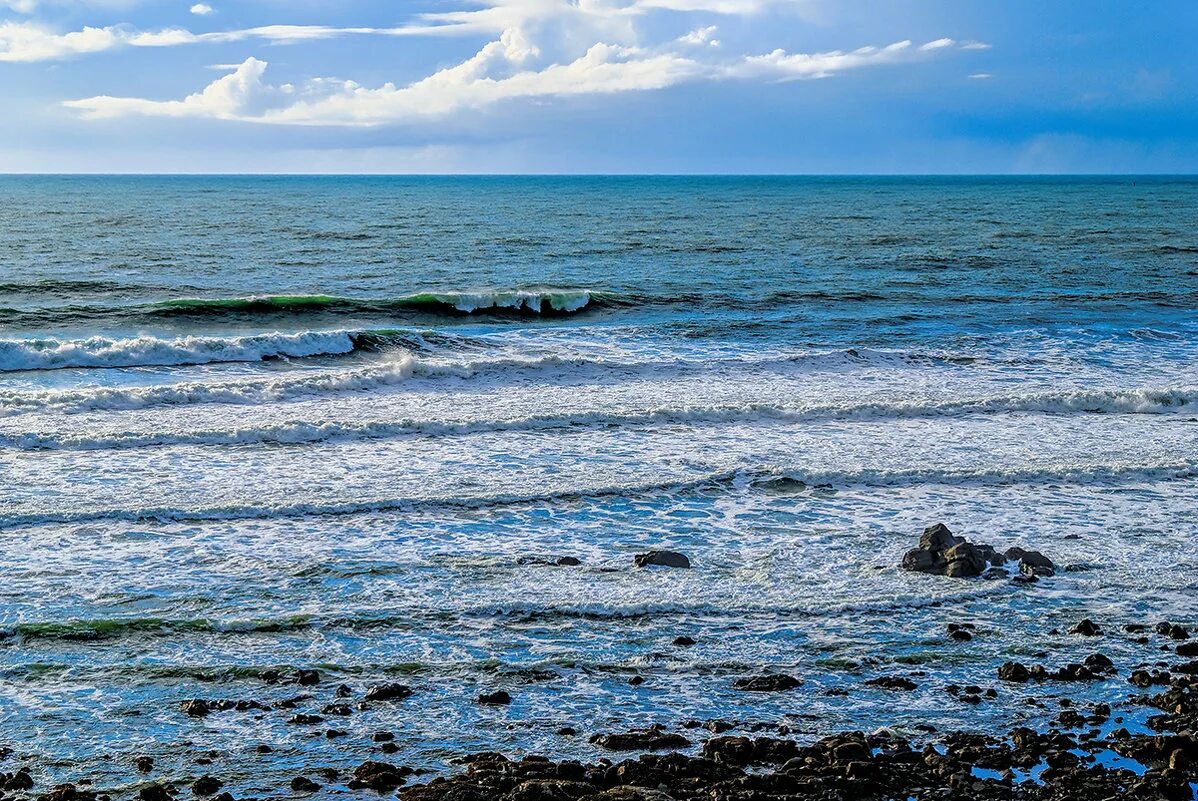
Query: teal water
pixel 259 424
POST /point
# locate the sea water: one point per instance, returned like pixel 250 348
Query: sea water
pixel 262 424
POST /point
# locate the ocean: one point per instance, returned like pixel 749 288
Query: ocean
pixel 251 425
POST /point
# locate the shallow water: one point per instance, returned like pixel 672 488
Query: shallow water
pixel 786 379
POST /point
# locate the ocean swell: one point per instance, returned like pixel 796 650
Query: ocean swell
pixel 54 354
pixel 1139 401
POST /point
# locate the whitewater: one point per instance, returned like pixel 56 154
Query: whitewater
pixel 356 432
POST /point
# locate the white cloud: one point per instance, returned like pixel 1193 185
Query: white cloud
pixel 201 9
pixel 497 73
pixel 937 44
pixel 701 36
pixel 971 45
pixel 980 76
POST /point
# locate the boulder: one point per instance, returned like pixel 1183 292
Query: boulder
pixel 388 692
pixel 768 683
pixel 661 559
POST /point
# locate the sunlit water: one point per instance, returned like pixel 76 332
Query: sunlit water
pixel 786 379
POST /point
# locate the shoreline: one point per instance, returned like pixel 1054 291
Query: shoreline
pixel 1140 743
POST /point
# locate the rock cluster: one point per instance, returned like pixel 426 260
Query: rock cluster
pixel 942 553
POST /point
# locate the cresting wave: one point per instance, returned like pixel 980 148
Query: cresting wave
pixel 305 432
pixel 546 301
pixel 55 354
pixel 743 479
pixel 396 368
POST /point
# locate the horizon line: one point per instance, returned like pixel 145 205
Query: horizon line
pixel 231 174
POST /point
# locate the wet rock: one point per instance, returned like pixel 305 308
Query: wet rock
pixel 1086 628
pixel 661 559
pixel 382 737
pixel 561 561
pixel 497 698
pixel 636 681
pixel 379 776
pixel 307 678
pixel 341 710
pixel 741 751
pixel 654 738
pixel 144 764
pixel 1172 631
pixel 1031 561
pixel 344 691
pixel 683 641
pixel 892 683
pixel 1014 672
pixel 206 785
pixel 942 553
pixel 305 720
pixel 768 683
pixel 21 780
pixel 1187 649
pixel 302 784
pixel 388 692
pixel 566 731
pixel 154 792
pixel 195 708
pixel 67 792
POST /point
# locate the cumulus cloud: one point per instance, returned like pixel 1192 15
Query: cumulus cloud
pixel 201 9
pixel 701 36
pixel 497 73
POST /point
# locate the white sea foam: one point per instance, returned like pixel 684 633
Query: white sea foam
pixel 1114 474
pixel 1138 401
pixel 51 354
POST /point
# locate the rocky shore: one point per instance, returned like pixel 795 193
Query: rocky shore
pixel 1138 742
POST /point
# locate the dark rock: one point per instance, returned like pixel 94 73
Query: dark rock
pixel 196 708
pixel 144 764
pixel 1086 628
pixel 342 710
pixel 206 785
pixel 154 792
pixel 568 561
pixel 1035 562
pixel 892 683
pixel 307 678
pixel 344 691
pixel 305 720
pixel 379 776
pixel 661 559
pixel 383 737
pixel 1014 672
pixel 769 682
pixel 654 738
pixel 388 692
pixel 1187 649
pixel 21 780
pixel 302 784
pixel 683 641
pixel 636 681
pixel 498 698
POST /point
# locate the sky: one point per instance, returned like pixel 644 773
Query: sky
pixel 599 86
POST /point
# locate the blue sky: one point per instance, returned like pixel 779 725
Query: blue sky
pixel 565 86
